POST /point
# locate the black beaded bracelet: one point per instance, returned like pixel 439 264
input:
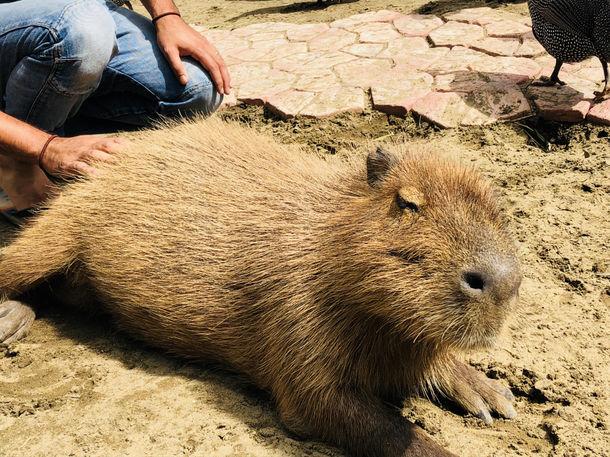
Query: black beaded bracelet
pixel 171 13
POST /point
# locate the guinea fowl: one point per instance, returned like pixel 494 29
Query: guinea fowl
pixel 572 31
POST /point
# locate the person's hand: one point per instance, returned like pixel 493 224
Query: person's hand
pixel 75 156
pixel 177 39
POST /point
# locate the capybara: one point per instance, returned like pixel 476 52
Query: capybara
pixel 338 285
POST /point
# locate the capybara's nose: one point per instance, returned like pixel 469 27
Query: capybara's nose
pixel 498 280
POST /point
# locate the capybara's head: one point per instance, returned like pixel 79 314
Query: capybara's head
pixel 432 254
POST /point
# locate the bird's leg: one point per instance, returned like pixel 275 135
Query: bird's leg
pixel 599 96
pixel 554 79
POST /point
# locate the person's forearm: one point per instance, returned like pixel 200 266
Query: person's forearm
pixel 157 7
pixel 19 140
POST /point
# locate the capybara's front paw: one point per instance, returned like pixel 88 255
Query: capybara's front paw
pixel 479 395
pixel 15 321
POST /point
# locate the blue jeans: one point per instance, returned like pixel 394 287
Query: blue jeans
pixel 63 57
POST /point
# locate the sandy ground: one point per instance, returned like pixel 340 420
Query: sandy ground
pixel 75 387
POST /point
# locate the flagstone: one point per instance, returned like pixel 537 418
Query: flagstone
pixel 506 29
pixel 497 46
pixel 529 48
pixel 569 103
pixel 417 25
pixel 316 81
pixel 256 91
pixel 332 40
pixel 456 34
pixel 600 113
pixel 459 58
pixel 452 109
pixel 519 69
pixel 399 93
pixel 305 32
pixel 469 69
pixel 364 72
pixel 373 16
pixel 375 32
pixel 335 100
pixel 404 46
pixel 289 103
pixel 421 59
pixel 364 49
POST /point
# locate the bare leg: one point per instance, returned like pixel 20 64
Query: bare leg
pixel 553 80
pixel 357 423
pixel 599 96
pixel 478 394
pixel 15 321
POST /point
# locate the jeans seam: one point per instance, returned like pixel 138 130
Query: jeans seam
pixel 47 82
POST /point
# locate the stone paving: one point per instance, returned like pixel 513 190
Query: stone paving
pixel 470 67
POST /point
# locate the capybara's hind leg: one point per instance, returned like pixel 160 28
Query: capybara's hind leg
pixel 15 321
pixel 42 250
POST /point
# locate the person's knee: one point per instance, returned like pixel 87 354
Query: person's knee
pixel 204 99
pixel 88 42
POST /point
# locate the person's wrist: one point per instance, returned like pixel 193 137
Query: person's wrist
pixel 167 18
pixel 44 152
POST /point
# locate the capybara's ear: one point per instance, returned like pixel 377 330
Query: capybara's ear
pixel 378 163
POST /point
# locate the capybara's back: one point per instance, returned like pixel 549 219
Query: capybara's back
pixel 335 284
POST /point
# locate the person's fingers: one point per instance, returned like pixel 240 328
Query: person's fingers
pixel 224 71
pixel 108 145
pixel 82 168
pixel 120 141
pixel 173 57
pixel 210 64
pixel 98 156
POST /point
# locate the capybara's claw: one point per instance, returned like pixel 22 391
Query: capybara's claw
pixel 15 321
pixel 479 395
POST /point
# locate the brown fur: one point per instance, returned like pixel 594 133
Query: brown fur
pixel 214 242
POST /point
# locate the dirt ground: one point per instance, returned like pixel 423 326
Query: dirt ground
pixel 75 387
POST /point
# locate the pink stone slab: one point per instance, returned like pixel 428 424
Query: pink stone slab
pixel 375 32
pixel 600 113
pixel 469 15
pixel 456 34
pixel 417 25
pixel 519 69
pixel 452 109
pixel 284 50
pixel 399 93
pixel 332 40
pixel 289 103
pixel 305 32
pixel 421 59
pixel 256 91
pixel 470 81
pixel 316 81
pixel 485 15
pixel 296 62
pixel 333 101
pixel 244 72
pixel 506 29
pixel 404 46
pixel 373 16
pixel 364 49
pixel 458 59
pixel 262 27
pixel 563 103
pixel 228 101
pixel 595 74
pixel 364 72
pixel 496 46
pixel 530 48
pixel 327 61
pixel 267 36
pixel 268 45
